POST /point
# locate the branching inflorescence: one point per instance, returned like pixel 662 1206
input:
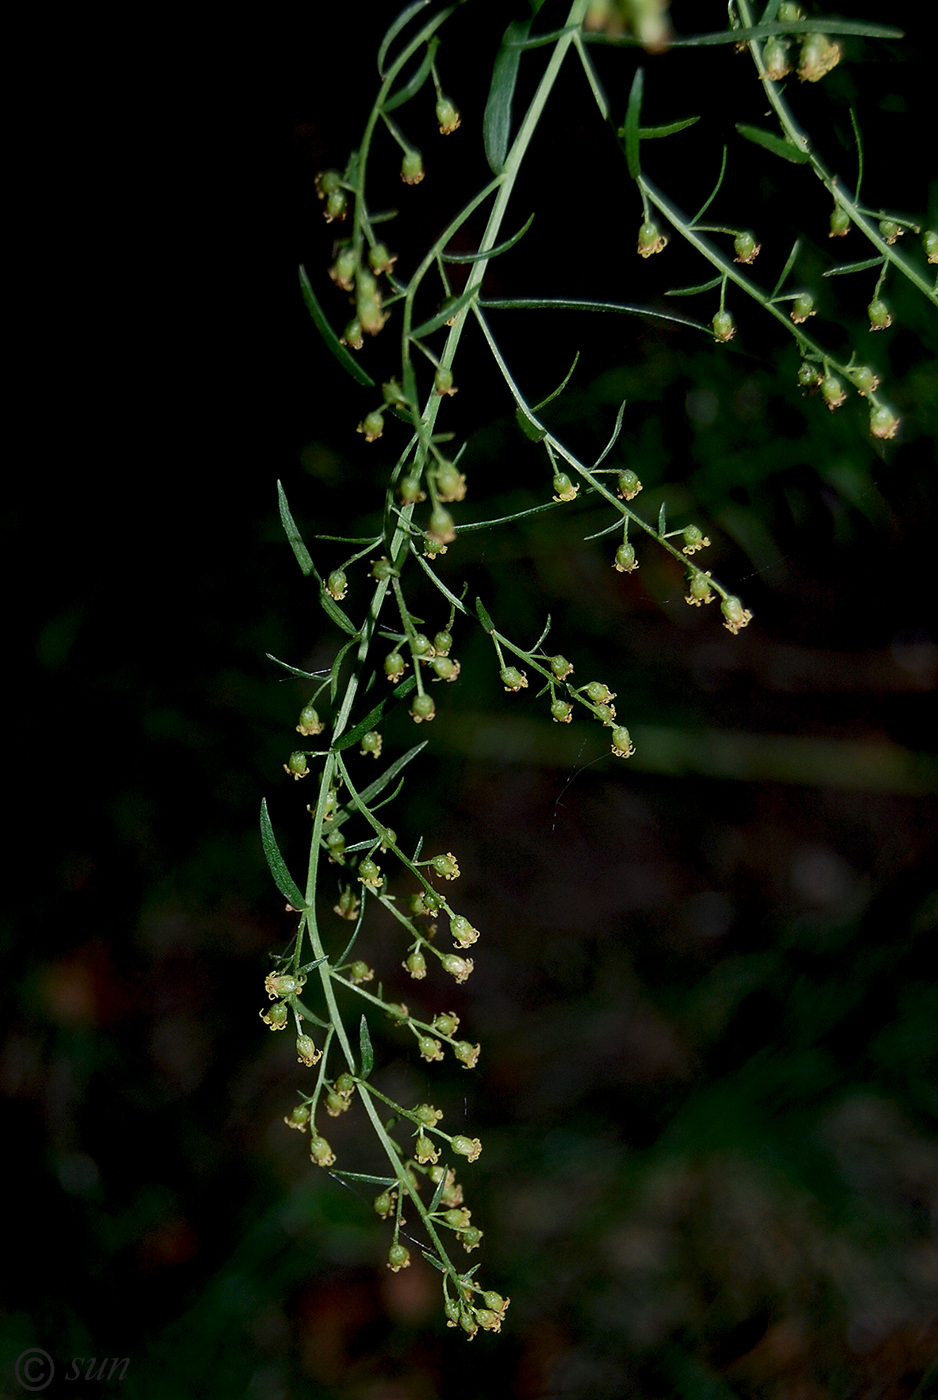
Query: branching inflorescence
pixel 387 641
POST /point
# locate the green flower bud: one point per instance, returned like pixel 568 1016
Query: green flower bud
pixel 336 1104
pixel 371 743
pixel 457 1218
pixel 298 1117
pixel 463 932
pixel 457 967
pixel 443 382
pixel 422 709
pixel 832 391
pixel 736 616
pixel 276 1017
pixel 430 1049
pixel 369 874
pixel 788 13
pixel 410 489
pixel 809 375
pixel 447 114
pixel 628 485
pixel 840 222
pixel 606 714
pixel 394 665
pixel 747 249
pixel 698 589
pixel 883 422
pixel 879 314
pixel 650 240
pixel 489 1321
pixel 564 489
pixel 466 1147
pixel 306 1053
pixel 424 1150
pixel 818 56
pixel 776 60
pixel 360 972
pixel 372 425
pixel 512 678
pixel 352 336
pixel 724 327
pixel 337 585
pixel 283 984
pixel 398 1257
pixel 803 307
pixel 496 1302
pixel 416 964
pixel 930 244
pixel 599 693
pixel 441 528
pixel 412 171
pixel 890 230
pixel 384 1203
pixel 694 539
pixel 327 182
pixel 429 1116
pixel 442 643
pixel 382 569
pixel 561 712
pixel 380 259
pixel 865 380
pixel 296 765
pixel 467 1053
pixel 622 745
pixel 447 1023
pixel 470 1238
pixel 345 267
pixel 625 561
pixel 345 1084
pixel 446 866
pixel 336 207
pixel 320 1151
pixel 310 723
pixel 450 483
pixel 561 667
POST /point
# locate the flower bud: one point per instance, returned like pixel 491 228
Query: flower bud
pixel 430 1049
pixel 879 314
pixel 424 1150
pixel 337 585
pixel 372 425
pixel 380 260
pixel 832 391
pixel 561 667
pixel 441 528
pixel 818 56
pixel 883 422
pixel 360 972
pixel 447 114
pixel 336 207
pixel 628 485
pixel 489 1321
pixel 283 984
pixel 809 375
pixel 298 1117
pixel 320 1151
pixel 564 489
pixel 369 874
pixel 776 60
pixel 446 668
pixel 296 766
pixel 496 1302
pixel 446 1022
pixel 382 569
pixel 467 1053
pixel 384 1203
pixel 371 743
pixel 443 382
pixel 788 12
pixel 327 182
pixel 412 171
pixel 416 965
pixel 735 614
pixel 561 712
pixel 422 709
pixel 694 539
pixel 398 1257
pixel 840 222
pixel 442 643
pixel 446 866
pixel 429 1116
pixel 410 490
pixel 605 713
pixel 470 1238
pixel 698 589
pixel 457 967
pixel 650 240
pixel 276 1017
pixel 513 679
pixel 865 380
pixel 352 335
pixel 397 1011
pixel 890 230
pixel 306 1052
pixel 336 1104
pixel 345 267
pixel 348 905
pixel 394 665
pixel 803 307
pixel 450 483
pixel 622 745
pixel 599 693
pixel 462 931
pixel 724 327
pixel 310 723
pixel 625 561
pixel 930 244
pixel 466 1147
pixel 747 249
pixel 370 315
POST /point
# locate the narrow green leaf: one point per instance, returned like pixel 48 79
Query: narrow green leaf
pixel 493 252
pixel 692 291
pixel 448 313
pixel 411 88
pixel 336 668
pixel 789 264
pixel 713 193
pixel 303 556
pixel 438 1193
pixel 563 304
pixel 369 793
pixel 346 360
pixel 528 426
pixel 340 618
pixel 560 387
pixel 775 144
pixel 363 1176
pixel 305 1011
pixel 484 618
pixel 662 520
pixel 373 716
pixel 367 1053
pixel 854 267
pixel 496 123
pixel 391 34
pixel 615 436
pixel 745 34
pixel 278 869
pixel 410 388
pixel 631 128
pixel 304 675
pixel 652 133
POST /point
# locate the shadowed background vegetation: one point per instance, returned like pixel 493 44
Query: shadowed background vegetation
pixel 707 1086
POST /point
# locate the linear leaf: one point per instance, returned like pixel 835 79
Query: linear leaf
pixel 340 618
pixel 337 666
pixel 346 360
pixel 372 717
pixel 484 618
pixel 294 671
pixel 652 133
pixel 854 267
pixel 775 144
pixel 744 35
pixel 692 291
pixel 447 313
pixel 303 556
pixel 496 123
pixel 615 436
pixel 363 1176
pixel 713 193
pixel 278 869
pixel 531 430
pixel 560 387
pixel 367 1053
pixel 391 34
pixel 411 88
pixel 566 304
pixel 492 252
pixel 631 128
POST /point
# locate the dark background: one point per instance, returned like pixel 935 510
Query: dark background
pixel 706 1092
